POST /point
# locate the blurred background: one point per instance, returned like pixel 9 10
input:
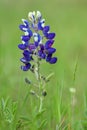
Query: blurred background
pixel 68 18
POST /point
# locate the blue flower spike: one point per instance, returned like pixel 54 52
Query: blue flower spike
pixel 32 44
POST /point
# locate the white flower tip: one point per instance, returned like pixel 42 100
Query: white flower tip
pixel 35 34
pixel 39 14
pixel 23 20
pixel 42 25
pixel 23 42
pixel 30 16
pixel 42 21
pixel 33 13
pixel 26 33
pixel 36 39
pixel 40 41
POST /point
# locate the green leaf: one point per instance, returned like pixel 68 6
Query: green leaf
pixel 49 77
pixel 4 103
pixel 43 123
pixel 8 115
pixel 14 107
pixel 25 118
pixel 23 122
pixel 39 114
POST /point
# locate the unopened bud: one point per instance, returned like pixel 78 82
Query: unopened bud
pixel 27 81
pixel 44 93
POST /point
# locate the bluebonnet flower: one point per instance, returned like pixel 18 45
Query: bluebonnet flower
pixel 32 44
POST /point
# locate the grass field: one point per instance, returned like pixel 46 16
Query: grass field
pixel 64 109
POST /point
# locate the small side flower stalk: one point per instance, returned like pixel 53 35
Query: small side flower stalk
pixel 36 46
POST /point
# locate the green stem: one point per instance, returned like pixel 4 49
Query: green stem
pixel 41 104
pixel 37 73
pixel 40 96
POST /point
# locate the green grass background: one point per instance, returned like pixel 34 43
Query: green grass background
pixel 68 18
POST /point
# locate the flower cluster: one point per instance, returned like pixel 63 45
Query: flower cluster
pixel 37 41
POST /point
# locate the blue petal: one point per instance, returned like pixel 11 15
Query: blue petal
pixel 36 44
pixel 26 67
pixel 22 46
pixel 39 37
pixel 53 60
pixel 32 47
pixel 40 26
pixel 50 35
pixel 26 52
pixel 27 55
pixel 40 53
pixel 23 28
pixel 49 43
pixel 30 33
pixel 25 38
pixel 26 23
pixel 45 34
pixel 23 60
pixel 41 47
pixel 51 50
pixel 46 29
pixel 48 58
pixel 43 56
